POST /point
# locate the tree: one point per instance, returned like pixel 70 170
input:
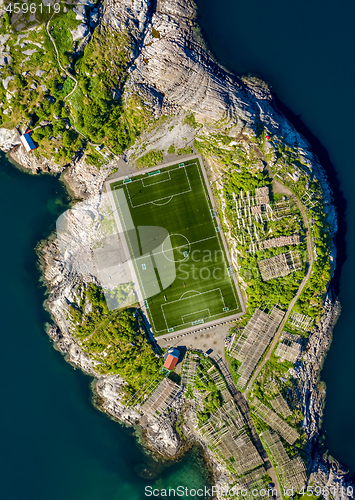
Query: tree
pixel 38 134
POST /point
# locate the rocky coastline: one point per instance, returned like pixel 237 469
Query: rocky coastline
pixel 182 77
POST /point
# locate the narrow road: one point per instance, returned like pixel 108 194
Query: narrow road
pixel 59 63
pixel 278 187
pixel 72 91
pixel 244 408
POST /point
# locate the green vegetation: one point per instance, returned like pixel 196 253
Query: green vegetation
pixel 150 159
pixel 115 339
pixel 211 396
pixel 189 392
pixel 99 111
pixel 280 290
pixel 191 120
pixel 171 149
pixel 308 189
pixel 94 159
pixel 211 402
pixel 233 367
pixel 245 180
pixel 178 426
pixel 203 287
pixel 96 108
pixel 60 30
pixel 184 151
pixel 272 381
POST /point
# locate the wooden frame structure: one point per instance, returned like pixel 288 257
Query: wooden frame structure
pixel 251 344
pixel 276 423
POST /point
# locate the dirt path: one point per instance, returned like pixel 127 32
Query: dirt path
pixel 69 76
pixel 280 188
pixel 58 59
pixel 244 408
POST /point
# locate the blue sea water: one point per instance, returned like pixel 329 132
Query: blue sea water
pixel 54 444
pixel 305 50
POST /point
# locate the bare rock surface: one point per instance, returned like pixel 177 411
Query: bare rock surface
pixel 172 72
pixel 9 139
pixel 33 163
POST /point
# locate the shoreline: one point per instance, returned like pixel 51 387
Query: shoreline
pixel 318 447
pixel 60 334
pixel 42 245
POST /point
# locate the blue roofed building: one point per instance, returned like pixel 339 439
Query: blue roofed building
pixel 27 142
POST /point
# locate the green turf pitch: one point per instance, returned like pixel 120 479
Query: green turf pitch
pixel 182 271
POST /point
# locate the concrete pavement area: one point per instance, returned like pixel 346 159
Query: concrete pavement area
pixel 209 338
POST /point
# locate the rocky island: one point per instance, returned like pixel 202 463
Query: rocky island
pixel 111 90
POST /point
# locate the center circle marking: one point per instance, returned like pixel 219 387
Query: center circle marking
pixel 180 246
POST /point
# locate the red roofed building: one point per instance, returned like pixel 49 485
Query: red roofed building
pixel 172 359
pixel 27 142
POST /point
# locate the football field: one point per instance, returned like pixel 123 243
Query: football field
pixel 176 247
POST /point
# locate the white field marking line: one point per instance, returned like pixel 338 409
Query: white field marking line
pixel 222 315
pixel 167 326
pixel 161 204
pixel 158 182
pixel 182 246
pixel 126 233
pixel 161 168
pixel 186 298
pixel 196 312
pixel 219 242
pixel 120 223
pixel 150 317
pixel 159 199
pixel 136 268
pixel 119 183
pixel 189 291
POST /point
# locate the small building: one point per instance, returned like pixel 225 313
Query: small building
pixel 27 142
pixel 172 359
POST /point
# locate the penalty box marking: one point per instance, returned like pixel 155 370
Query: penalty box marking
pixel 189 298
pixel 197 312
pixel 157 182
pixel 159 199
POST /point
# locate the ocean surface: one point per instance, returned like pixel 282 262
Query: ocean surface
pixel 305 50
pixel 54 444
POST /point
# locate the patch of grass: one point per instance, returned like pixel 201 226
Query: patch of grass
pixel 150 159
pixel 184 151
pixel 190 120
pixel 233 367
pixel 60 29
pixel 95 159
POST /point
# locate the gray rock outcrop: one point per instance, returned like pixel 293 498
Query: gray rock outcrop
pixel 9 139
pixel 172 71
